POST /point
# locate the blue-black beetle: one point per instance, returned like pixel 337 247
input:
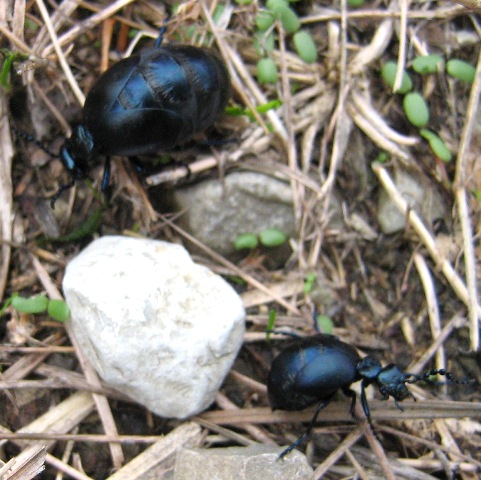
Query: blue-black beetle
pixel 146 103
pixel 314 368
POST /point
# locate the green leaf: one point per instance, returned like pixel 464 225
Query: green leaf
pixel 388 73
pixel 272 237
pixel 267 71
pixel 461 70
pixel 309 283
pixel 427 64
pixel 437 146
pixel 383 157
pixel 305 46
pixel 416 109
pixel 273 5
pixel 264 20
pixel 271 323
pixel 477 194
pixel 246 241
pixel 289 19
pixel 7 303
pixel 324 324
pixel 36 304
pixel 58 310
pixel 269 106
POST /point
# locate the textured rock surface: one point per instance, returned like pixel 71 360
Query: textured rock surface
pixel 257 462
pixel 217 212
pixel 154 324
pixel 421 196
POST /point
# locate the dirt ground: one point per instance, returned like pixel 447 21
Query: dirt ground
pixel 339 137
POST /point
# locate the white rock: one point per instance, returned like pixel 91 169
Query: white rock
pixel 154 324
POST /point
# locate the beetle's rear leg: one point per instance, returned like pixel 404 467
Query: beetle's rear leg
pixel 322 404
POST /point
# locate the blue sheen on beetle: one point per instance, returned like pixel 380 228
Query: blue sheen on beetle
pixel 313 369
pixel 147 103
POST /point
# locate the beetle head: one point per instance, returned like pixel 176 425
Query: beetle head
pixel 391 381
pixel 77 152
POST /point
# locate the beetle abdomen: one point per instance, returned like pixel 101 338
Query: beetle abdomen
pixel 309 371
pixel 152 101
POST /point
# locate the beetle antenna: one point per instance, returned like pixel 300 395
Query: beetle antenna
pixel 414 378
pixel 31 139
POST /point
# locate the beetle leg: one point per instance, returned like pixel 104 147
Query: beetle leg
pixel 364 402
pixel 162 31
pixel 351 393
pixel 365 407
pixel 106 176
pixel 322 404
pixel 60 190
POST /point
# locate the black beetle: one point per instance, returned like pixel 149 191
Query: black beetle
pixel 146 103
pixel 314 368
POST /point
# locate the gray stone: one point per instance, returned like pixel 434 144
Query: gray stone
pixel 155 325
pixel 422 197
pixel 257 462
pixel 216 212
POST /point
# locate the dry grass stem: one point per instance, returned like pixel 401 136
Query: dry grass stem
pixel 461 183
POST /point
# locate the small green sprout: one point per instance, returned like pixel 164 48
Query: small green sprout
pixel 416 109
pixel 267 71
pixel 9 58
pixel 271 323
pixel 437 146
pixel 309 283
pixel 288 17
pixel 427 64
pixel 272 237
pixel 269 237
pixel 305 46
pixel 324 324
pixel 264 20
pixel 273 104
pixel 388 73
pixel 383 157
pixel 57 309
pixel 246 241
pixel 37 304
pixel 461 70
